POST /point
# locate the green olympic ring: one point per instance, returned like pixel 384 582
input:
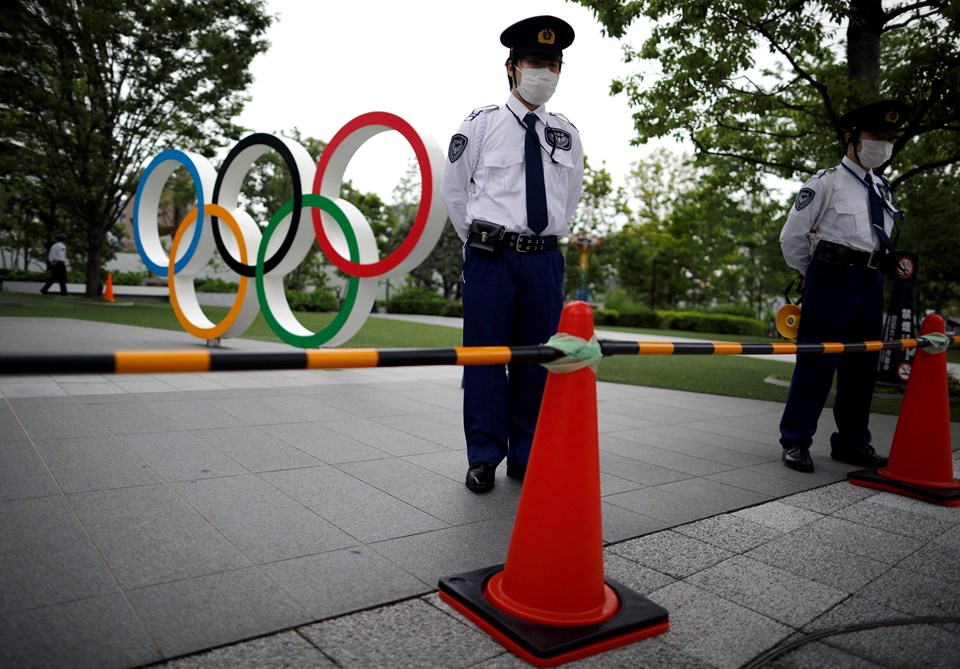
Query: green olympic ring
pixel 303 338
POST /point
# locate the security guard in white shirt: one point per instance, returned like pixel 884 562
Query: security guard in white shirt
pixel 57 258
pixel 512 182
pixel 837 236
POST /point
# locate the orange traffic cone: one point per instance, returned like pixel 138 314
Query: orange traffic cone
pixel 108 292
pixel 549 604
pixel 921 456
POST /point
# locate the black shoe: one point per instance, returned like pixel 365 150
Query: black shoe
pixel 797 458
pixel 516 471
pixel 862 455
pixel 480 477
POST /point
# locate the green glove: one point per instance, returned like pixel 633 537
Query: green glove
pixel 937 342
pixel 578 353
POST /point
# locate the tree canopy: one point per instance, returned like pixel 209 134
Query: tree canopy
pixel 92 89
pixel 766 81
pixel 760 86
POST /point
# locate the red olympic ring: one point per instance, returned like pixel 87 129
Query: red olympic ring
pixel 329 177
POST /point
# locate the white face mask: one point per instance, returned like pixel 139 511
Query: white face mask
pixel 873 153
pixel 537 85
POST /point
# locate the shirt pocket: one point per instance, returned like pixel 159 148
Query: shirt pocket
pixel 503 172
pixel 853 219
pixel 559 171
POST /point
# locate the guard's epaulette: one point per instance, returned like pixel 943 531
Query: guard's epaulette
pixel 561 116
pixel 479 110
pixel 824 172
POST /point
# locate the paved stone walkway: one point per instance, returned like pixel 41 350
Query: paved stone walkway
pixel 303 518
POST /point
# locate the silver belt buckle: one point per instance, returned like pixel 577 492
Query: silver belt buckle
pixel 873 262
pixel 520 239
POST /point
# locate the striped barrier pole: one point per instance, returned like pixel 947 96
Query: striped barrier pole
pixel 162 362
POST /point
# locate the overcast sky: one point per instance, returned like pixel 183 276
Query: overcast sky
pixel 430 62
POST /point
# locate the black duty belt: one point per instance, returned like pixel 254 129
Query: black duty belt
pixel 523 243
pixel 838 254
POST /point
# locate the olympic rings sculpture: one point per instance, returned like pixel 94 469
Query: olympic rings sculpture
pixel 267 255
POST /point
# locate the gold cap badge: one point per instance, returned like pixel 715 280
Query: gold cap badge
pixel 546 36
pixel 892 117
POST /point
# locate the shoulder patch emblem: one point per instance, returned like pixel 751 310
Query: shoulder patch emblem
pixel 479 110
pixel 558 138
pixel 457 145
pixel 804 197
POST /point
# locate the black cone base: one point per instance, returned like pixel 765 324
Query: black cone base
pixel 549 645
pixel 869 478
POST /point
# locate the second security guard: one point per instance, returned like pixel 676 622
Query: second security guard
pixel 513 178
pixel 838 236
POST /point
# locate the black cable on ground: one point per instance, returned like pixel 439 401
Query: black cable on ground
pixel 777 651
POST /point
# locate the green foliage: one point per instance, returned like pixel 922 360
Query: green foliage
pixel 128 278
pixel 696 236
pixel 688 321
pixel 762 84
pixel 602 209
pixel 932 211
pixel 91 90
pixel 619 300
pixel 211 285
pixel 698 321
pixel 441 268
pixel 731 310
pixel 765 82
pixel 420 300
pixel 630 317
pixel 12 274
pixel 317 300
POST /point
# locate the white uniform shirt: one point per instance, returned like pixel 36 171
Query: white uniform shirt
pixel 58 253
pixel 833 205
pixel 485 175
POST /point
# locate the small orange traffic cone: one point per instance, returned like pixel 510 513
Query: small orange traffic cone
pixel 108 292
pixel 921 456
pixel 549 604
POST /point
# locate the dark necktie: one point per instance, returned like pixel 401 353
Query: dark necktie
pixel 536 193
pixel 876 214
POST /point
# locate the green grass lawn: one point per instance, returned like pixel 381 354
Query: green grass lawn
pixel 735 376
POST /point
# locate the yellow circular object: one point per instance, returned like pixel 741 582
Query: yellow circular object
pixel 788 320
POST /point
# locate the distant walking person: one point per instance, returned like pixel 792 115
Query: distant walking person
pixel 838 236
pixel 58 265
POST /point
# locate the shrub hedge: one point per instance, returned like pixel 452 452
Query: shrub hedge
pixel 129 278
pixel 418 300
pixel 690 321
pixel 9 274
pixel 319 300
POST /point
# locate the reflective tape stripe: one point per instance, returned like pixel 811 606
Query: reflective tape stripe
pixel 149 362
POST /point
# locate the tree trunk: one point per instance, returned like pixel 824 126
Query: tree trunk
pixel 93 270
pixel 94 248
pixel 863 43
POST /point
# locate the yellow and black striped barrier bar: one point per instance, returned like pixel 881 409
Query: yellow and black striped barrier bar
pixel 155 362
pixel 158 362
pixel 773 348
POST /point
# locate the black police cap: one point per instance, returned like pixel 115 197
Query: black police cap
pixel 883 116
pixel 543 36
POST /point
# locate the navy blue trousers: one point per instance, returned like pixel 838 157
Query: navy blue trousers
pixel 840 304
pixel 509 299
